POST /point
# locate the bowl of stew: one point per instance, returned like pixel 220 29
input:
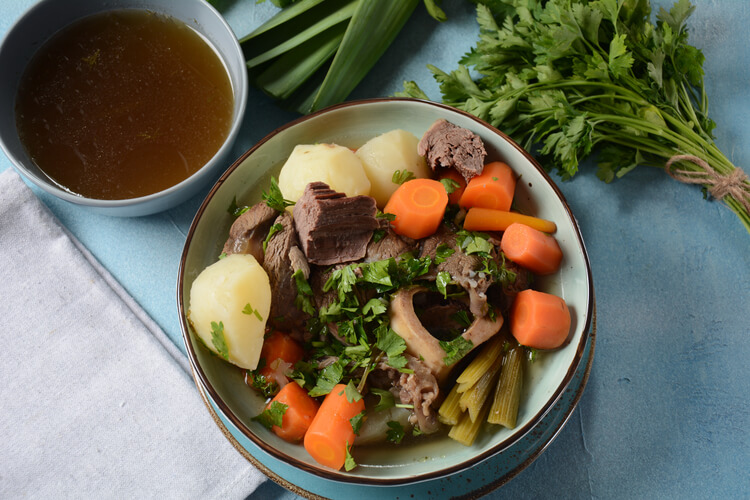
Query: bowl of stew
pixel 126 107
pixel 396 333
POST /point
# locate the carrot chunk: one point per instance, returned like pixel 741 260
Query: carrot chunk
pixel 528 247
pixel 493 188
pixel 419 206
pixel 330 434
pixel 487 219
pixel 300 412
pixel 539 320
pixel 278 356
pixel 452 174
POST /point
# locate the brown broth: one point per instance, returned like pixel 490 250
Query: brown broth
pixel 123 104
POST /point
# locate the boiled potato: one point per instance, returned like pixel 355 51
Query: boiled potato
pixel 335 165
pixel 382 155
pixel 221 293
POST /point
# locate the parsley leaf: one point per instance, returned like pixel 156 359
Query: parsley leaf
pixel 272 415
pixel 401 176
pixel 351 392
pixel 218 340
pixel 442 281
pixel 303 300
pixel 356 422
pixel 274 229
pixel 449 184
pixel 328 378
pixel 395 432
pixel 236 210
pixel 455 349
pixel 386 399
pixel 250 311
pixel 349 463
pixel 562 77
pixel 274 198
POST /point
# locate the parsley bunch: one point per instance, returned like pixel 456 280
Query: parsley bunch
pixel 569 76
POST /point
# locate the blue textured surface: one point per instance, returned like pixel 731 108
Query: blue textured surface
pixel 666 411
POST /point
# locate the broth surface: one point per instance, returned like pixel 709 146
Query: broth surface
pixel 124 104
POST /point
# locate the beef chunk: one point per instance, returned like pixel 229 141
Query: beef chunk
pixel 461 267
pixel 391 245
pixel 449 146
pixel 332 227
pixel 278 263
pixel 249 230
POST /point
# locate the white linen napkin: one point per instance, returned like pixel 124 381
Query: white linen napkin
pixel 96 401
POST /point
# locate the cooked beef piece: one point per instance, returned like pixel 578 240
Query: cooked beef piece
pixel 420 389
pixel 333 227
pixel 278 264
pixel 298 262
pixel 461 267
pixel 449 146
pixel 249 230
pixel 391 245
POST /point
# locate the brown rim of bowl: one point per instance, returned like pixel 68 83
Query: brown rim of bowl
pixel 338 475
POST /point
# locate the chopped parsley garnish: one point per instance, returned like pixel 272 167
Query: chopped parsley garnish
pixel 401 176
pixel 264 385
pixel 274 198
pixel 272 415
pixel 249 310
pixel 351 392
pixel 218 340
pixel 450 185
pixel 236 210
pixel 455 349
pixel 356 422
pixel 388 341
pixel 474 243
pixel 303 300
pixel 222 255
pixel 349 463
pixel 395 432
pixel 442 252
pixel 274 229
pixel 442 281
pixel 328 378
pixel 386 399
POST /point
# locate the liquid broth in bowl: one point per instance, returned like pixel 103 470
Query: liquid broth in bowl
pixel 124 104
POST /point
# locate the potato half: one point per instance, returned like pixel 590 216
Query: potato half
pixel 335 165
pixel 235 293
pixel 381 156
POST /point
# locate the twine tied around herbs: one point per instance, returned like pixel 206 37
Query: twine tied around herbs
pixel 734 184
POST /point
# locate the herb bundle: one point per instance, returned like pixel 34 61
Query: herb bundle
pixel 569 76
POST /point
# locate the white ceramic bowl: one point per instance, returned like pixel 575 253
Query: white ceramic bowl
pixel 46 18
pixel 351 124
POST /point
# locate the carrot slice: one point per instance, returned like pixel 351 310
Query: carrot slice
pixel 330 434
pixel 419 206
pixel 539 320
pixel 528 247
pixel 493 188
pixel 487 219
pixel 279 348
pixel 452 174
pixel 300 412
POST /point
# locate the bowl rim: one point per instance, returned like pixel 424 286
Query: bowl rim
pixel 336 475
pixel 200 175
